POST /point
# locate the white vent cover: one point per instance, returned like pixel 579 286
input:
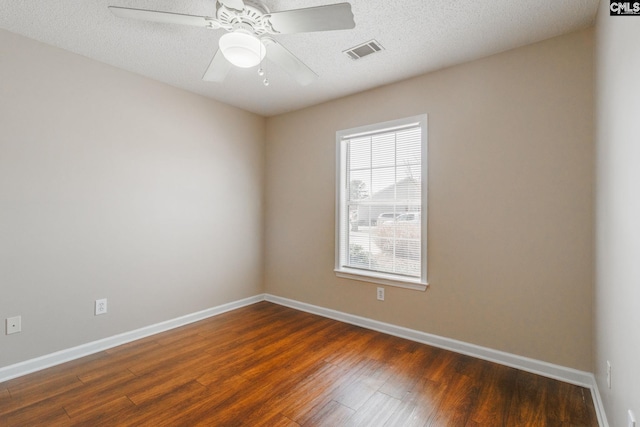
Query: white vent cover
pixel 364 49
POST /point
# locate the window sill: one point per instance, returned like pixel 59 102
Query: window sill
pixel 382 279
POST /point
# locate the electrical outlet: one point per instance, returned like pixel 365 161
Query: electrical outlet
pixel 608 374
pixel 380 294
pixel 101 306
pixel 14 325
pixel 631 419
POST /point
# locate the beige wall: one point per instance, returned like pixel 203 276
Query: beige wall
pixel 617 297
pixel 115 186
pixel 510 202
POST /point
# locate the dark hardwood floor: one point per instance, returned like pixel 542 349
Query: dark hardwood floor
pixel 267 365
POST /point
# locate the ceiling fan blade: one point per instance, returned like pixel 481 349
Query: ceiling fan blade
pixel 288 61
pixel 164 17
pixel 322 18
pixel 233 4
pixel 218 68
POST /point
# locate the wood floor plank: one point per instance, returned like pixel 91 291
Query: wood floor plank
pixel 528 401
pixel 493 405
pixel 151 387
pixel 68 369
pixel 304 399
pixel 330 415
pixel 264 347
pixel 162 357
pixel 274 420
pixel 203 407
pixel 459 399
pixel 406 370
pixel 178 407
pixel 419 405
pixel 33 392
pixel 29 410
pixel 5 398
pixel 94 394
pixel 355 339
pixel 362 387
pixel 156 413
pixel 268 365
pixel 119 358
pixel 441 365
pixel 587 412
pixel 102 412
pixel 42 412
pixel 376 411
pixel 287 355
pixel 244 406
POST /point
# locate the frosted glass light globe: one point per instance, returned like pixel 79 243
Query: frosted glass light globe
pixel 242 49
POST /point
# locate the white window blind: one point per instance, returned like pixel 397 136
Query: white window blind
pixel 381 220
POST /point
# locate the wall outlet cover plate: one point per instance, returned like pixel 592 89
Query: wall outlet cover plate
pixel 101 306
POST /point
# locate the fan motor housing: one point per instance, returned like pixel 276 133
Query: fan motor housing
pixel 251 18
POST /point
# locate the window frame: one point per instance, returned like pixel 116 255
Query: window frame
pixel 389 279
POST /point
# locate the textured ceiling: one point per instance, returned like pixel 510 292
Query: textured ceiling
pixel 418 36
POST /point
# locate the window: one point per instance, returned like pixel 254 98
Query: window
pixel 381 200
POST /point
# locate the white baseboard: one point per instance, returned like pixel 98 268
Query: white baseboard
pixel 569 375
pixel 62 356
pixel 598 404
pixel 549 370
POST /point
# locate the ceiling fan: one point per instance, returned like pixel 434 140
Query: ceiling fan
pixel 247 23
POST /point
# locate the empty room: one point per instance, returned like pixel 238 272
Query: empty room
pixel 316 213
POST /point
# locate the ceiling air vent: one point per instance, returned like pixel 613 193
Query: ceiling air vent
pixel 364 49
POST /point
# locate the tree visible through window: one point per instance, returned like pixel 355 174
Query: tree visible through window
pixel 381 220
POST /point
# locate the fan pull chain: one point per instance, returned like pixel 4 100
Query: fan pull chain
pixel 261 71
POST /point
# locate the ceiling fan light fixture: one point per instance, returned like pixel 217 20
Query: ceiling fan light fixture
pixel 242 49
